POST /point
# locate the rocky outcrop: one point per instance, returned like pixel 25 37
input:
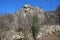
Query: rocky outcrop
pixel 18 26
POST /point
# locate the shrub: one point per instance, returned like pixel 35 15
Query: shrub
pixel 35 27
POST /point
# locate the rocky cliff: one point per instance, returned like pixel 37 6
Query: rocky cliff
pixel 18 26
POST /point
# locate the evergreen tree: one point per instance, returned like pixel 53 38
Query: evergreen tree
pixel 35 25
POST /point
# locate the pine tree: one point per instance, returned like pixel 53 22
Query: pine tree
pixel 35 27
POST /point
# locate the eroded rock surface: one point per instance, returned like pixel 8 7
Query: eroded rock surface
pixel 18 26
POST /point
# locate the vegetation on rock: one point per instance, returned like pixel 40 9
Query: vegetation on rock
pixel 35 27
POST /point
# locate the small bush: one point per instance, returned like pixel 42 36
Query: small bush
pixel 35 27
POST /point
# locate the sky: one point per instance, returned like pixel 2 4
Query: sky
pixel 11 6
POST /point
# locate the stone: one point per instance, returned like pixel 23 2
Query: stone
pixel 18 26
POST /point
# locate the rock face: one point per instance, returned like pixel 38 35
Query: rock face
pixel 18 26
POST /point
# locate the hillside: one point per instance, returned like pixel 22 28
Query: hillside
pixel 19 26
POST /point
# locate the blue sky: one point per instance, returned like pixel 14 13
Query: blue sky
pixel 11 6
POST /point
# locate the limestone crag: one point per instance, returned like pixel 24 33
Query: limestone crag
pixel 18 26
